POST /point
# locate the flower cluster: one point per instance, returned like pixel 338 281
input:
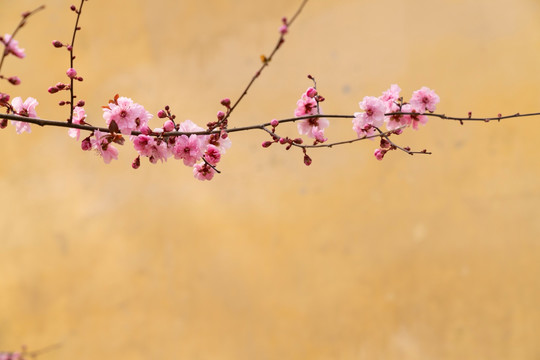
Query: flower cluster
pixel 313 127
pixel 391 110
pixel 185 141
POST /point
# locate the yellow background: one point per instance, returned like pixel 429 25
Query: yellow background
pixel 424 257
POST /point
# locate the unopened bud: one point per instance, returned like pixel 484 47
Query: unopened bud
pixel 307 160
pixel 146 130
pixel 274 123
pixel 168 125
pixel 73 8
pixel 282 141
pixel 311 92
pixel 224 135
pixel 71 73
pixel 220 115
pixel 161 114
pixel 298 141
pixel 226 102
pixel 80 103
pixel 136 163
pixel 14 80
pixel 266 144
pixel 57 44
pixel 3 123
pixel 86 144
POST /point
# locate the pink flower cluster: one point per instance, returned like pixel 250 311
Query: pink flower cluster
pixel 309 105
pixel 390 109
pixel 202 152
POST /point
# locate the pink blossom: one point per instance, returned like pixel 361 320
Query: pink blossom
pixel 212 155
pixel 374 109
pixel 313 127
pixel 311 92
pixel 379 154
pixel 362 127
pixel 417 118
pixel 12 46
pixel 150 147
pixel 305 106
pixel 79 116
pixel 203 172
pixel 391 95
pixel 188 149
pixel 424 99
pixel 128 115
pixel 399 120
pixel 101 142
pixel 28 109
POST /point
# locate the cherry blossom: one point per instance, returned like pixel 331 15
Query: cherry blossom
pixel 364 123
pixel 79 116
pixel 212 155
pixel 28 109
pixel 128 115
pixel 12 46
pixel 424 99
pixel 202 171
pixel 102 143
pixel 154 149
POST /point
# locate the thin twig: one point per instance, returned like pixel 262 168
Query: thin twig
pixel 265 63
pixel 19 26
pixel 71 59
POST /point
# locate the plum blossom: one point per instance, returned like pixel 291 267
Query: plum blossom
pixel 417 118
pixel 391 95
pixel 79 116
pixel 101 142
pixel 212 155
pixel 364 123
pixel 312 127
pixel 189 149
pixel 128 115
pixel 203 172
pixel 12 46
pixel 424 99
pixel 396 121
pixel 154 149
pixel 28 109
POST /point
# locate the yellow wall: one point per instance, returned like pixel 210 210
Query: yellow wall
pixel 424 257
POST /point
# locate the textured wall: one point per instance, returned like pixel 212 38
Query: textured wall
pixel 425 257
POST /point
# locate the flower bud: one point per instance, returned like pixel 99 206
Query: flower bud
pixel 274 123
pixel 220 115
pixel 379 154
pixel 226 102
pixel 52 90
pixel 86 144
pixel 266 144
pixel 168 126
pixel 14 80
pixel 136 163
pixel 80 103
pixel 311 92
pixel 146 130
pixel 161 114
pixel 3 123
pixel 57 44
pixel 307 160
pixel 71 73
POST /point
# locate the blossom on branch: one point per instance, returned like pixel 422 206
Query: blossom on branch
pixel 128 115
pixel 102 143
pixel 12 46
pixel 78 118
pixel 28 109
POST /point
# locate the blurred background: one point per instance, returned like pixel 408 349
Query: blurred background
pixel 423 257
